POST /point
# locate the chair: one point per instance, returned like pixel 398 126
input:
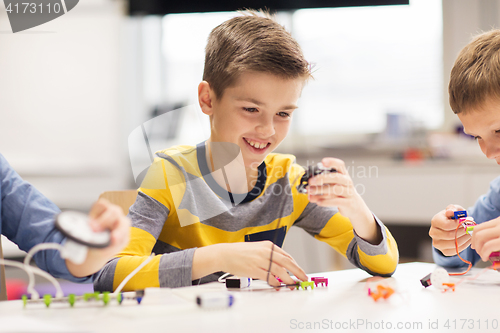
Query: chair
pixel 3 286
pixel 124 199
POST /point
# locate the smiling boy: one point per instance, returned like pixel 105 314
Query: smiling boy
pixel 219 206
pixel 474 90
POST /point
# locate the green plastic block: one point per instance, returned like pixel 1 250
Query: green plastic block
pixel 47 299
pixel 105 297
pixel 71 299
pixel 305 284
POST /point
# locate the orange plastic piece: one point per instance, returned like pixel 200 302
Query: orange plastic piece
pixel 382 292
pixel 449 285
pixel 496 265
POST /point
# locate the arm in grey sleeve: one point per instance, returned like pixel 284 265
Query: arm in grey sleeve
pixel 314 219
pixel 175 265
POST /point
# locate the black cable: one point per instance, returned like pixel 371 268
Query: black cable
pixel 276 238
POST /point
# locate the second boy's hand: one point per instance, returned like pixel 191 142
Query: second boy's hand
pixel 485 239
pixel 443 229
pixel 337 190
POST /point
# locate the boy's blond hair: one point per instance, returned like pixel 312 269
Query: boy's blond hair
pixel 251 42
pixel 475 76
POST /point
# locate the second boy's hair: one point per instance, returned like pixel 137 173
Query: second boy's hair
pixel 475 76
pixel 251 42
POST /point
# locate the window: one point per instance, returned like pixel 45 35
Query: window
pixel 369 61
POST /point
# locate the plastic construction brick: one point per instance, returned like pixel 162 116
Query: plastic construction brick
pixel 381 292
pixel 459 214
pixel 305 284
pixel 320 281
pixel 495 259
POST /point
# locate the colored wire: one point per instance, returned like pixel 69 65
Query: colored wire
pixel 458 254
pixel 465 278
pixel 282 210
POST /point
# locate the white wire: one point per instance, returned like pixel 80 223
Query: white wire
pixel 39 247
pixel 30 270
pixel 27 259
pixel 131 275
pixel 223 277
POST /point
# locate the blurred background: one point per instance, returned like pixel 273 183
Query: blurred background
pixel 79 94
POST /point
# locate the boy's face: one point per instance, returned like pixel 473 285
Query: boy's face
pixel 254 113
pixel 484 124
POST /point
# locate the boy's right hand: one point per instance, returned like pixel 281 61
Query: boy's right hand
pixel 442 232
pixel 246 259
pixel 251 259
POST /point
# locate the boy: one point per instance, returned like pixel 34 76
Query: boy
pixel 220 205
pixel 474 90
pixel 27 219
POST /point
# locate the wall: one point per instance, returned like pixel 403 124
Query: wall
pixel 60 113
pixel 462 19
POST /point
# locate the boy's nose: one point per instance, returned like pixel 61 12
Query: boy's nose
pixel 266 128
pixel 491 151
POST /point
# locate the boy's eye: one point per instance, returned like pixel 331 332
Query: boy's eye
pixel 284 114
pixel 250 109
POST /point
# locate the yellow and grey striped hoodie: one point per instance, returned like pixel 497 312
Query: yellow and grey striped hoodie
pixel 180 207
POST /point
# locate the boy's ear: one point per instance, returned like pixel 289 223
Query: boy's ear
pixel 205 97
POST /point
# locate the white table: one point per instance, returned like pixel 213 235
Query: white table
pixel 342 307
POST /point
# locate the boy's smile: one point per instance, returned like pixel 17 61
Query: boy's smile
pixel 254 113
pixel 484 124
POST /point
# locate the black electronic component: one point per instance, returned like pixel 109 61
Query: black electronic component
pixel 311 171
pixel 426 280
pixel 238 283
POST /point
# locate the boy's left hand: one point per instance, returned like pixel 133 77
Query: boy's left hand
pixel 337 190
pixel 486 238
pixel 103 215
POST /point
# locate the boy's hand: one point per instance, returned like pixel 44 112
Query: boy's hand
pixel 337 190
pixel 442 232
pixel 486 238
pixel 247 259
pixel 103 215
pixel 106 216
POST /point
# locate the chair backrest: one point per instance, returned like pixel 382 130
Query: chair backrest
pixel 124 199
pixel 3 286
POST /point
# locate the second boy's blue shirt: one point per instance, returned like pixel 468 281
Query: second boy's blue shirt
pixel 27 219
pixel 485 209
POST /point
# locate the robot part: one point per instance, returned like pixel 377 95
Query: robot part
pixel 311 171
pixel 238 283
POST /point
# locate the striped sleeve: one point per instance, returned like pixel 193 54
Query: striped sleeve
pixel 167 270
pixel 328 225
pixel 148 215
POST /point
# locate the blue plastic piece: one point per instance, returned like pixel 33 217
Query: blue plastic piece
pixel 459 214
